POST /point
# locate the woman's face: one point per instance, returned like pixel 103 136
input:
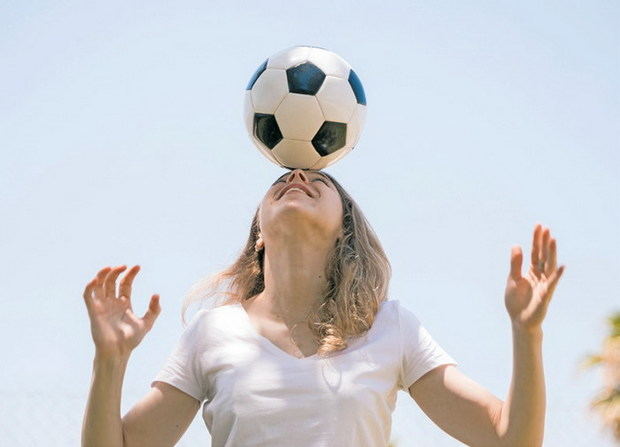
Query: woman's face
pixel 318 211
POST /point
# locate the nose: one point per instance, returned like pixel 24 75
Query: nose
pixel 297 175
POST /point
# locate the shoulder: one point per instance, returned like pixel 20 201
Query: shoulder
pixel 389 309
pixel 387 317
pixel 405 315
pixel 402 318
pixel 220 319
pixel 395 310
pixel 207 313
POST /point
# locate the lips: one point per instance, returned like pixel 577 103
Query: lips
pixel 295 185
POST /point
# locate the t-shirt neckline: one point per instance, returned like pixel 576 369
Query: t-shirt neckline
pixel 268 343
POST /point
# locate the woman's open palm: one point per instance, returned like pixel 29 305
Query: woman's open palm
pixel 116 330
pixel 527 297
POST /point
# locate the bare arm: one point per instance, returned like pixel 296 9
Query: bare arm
pixel 116 331
pixel 522 418
pixel 102 424
pixel 466 410
pixel 527 298
pixel 460 406
pixel 160 418
pixel 470 413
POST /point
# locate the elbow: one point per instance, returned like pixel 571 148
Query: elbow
pixel 509 437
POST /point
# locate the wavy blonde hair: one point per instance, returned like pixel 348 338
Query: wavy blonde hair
pixel 357 272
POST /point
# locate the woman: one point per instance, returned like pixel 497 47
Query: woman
pixel 307 350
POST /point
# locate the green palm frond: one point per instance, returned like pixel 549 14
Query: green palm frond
pixel 607 402
pixel 607 399
pixel 614 322
pixel 590 360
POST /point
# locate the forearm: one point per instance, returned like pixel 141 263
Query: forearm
pixel 102 424
pixel 522 419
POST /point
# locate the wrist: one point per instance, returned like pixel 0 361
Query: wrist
pixel 529 332
pixel 110 361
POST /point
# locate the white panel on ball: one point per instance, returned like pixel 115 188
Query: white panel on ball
pixel 330 63
pixel 288 115
pixel 355 125
pixel 248 118
pixel 269 91
pixel 336 99
pixel 296 153
pixel 331 158
pixel 288 58
pixel 265 151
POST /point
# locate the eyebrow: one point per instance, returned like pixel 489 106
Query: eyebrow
pixel 314 172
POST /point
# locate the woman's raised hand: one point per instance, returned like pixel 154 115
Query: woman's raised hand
pixel 116 330
pixel 527 297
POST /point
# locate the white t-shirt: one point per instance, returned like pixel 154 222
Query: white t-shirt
pixel 255 394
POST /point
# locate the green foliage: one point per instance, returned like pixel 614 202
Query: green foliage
pixel 607 401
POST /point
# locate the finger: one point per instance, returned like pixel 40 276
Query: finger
pixel 536 239
pixel 544 257
pixel 555 277
pixel 109 285
pixel 553 256
pixel 127 281
pixel 153 311
pixel 99 292
pixel 516 259
pixel 88 293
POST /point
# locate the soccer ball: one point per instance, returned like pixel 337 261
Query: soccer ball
pixel 304 108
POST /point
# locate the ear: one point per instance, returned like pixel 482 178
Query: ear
pixel 259 243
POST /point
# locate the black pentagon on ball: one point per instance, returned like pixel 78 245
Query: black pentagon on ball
pixel 257 73
pixel 358 90
pixel 330 137
pixel 305 78
pixel 266 129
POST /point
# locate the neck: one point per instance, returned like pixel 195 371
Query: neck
pixel 295 281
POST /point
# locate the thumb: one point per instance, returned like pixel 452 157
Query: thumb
pixel 153 311
pixel 516 259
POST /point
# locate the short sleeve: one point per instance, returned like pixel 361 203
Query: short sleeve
pixel 182 368
pixel 420 353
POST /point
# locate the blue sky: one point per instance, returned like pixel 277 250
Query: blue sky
pixel 122 142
